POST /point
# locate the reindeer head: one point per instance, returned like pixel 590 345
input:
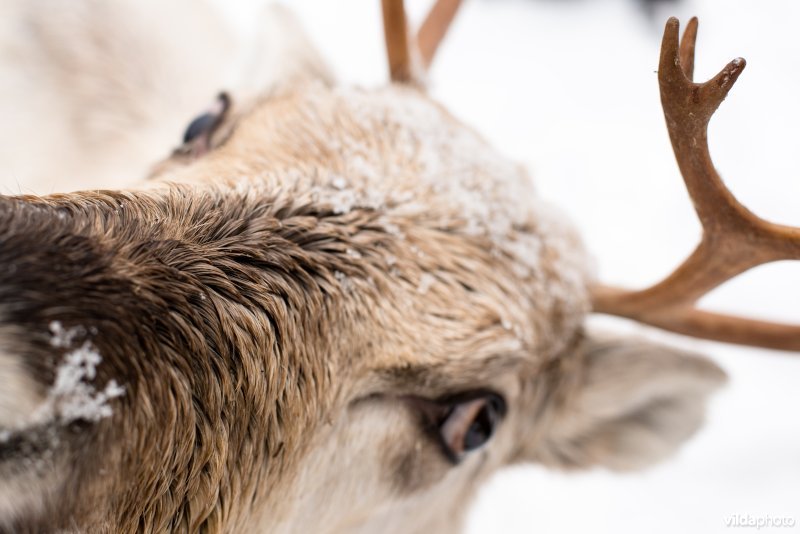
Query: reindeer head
pixel 332 310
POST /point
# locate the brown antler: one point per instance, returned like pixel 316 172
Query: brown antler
pixel 406 53
pixel 734 239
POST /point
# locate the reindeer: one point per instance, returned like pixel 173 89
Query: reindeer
pixel 340 310
pixel 115 86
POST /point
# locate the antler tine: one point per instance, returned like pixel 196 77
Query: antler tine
pixel 688 107
pixel 687 46
pixel 398 44
pixel 734 239
pixel 406 53
pixel 435 27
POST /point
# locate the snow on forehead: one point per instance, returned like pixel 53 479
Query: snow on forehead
pixel 445 158
pixel 435 163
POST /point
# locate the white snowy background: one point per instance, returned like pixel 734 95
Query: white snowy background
pixel 569 88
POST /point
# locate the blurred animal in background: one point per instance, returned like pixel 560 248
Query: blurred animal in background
pixel 649 6
pixel 116 82
pixel 332 309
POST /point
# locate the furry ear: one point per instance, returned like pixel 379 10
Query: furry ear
pixel 630 404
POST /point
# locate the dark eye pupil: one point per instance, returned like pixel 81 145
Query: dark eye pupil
pixel 200 130
pixel 199 126
pixel 481 428
pixel 469 422
pixel 478 433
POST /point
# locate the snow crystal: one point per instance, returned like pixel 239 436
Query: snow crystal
pixel 360 166
pixel 425 282
pixel 393 229
pixel 64 337
pixel 343 201
pixel 77 364
pixel 344 281
pixel 72 397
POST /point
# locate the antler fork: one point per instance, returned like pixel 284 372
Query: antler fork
pixel 405 53
pixel 734 239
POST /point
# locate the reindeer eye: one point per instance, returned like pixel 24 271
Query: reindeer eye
pixel 470 423
pixel 197 136
pixel 199 126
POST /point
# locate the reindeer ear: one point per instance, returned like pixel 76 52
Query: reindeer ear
pixel 631 403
